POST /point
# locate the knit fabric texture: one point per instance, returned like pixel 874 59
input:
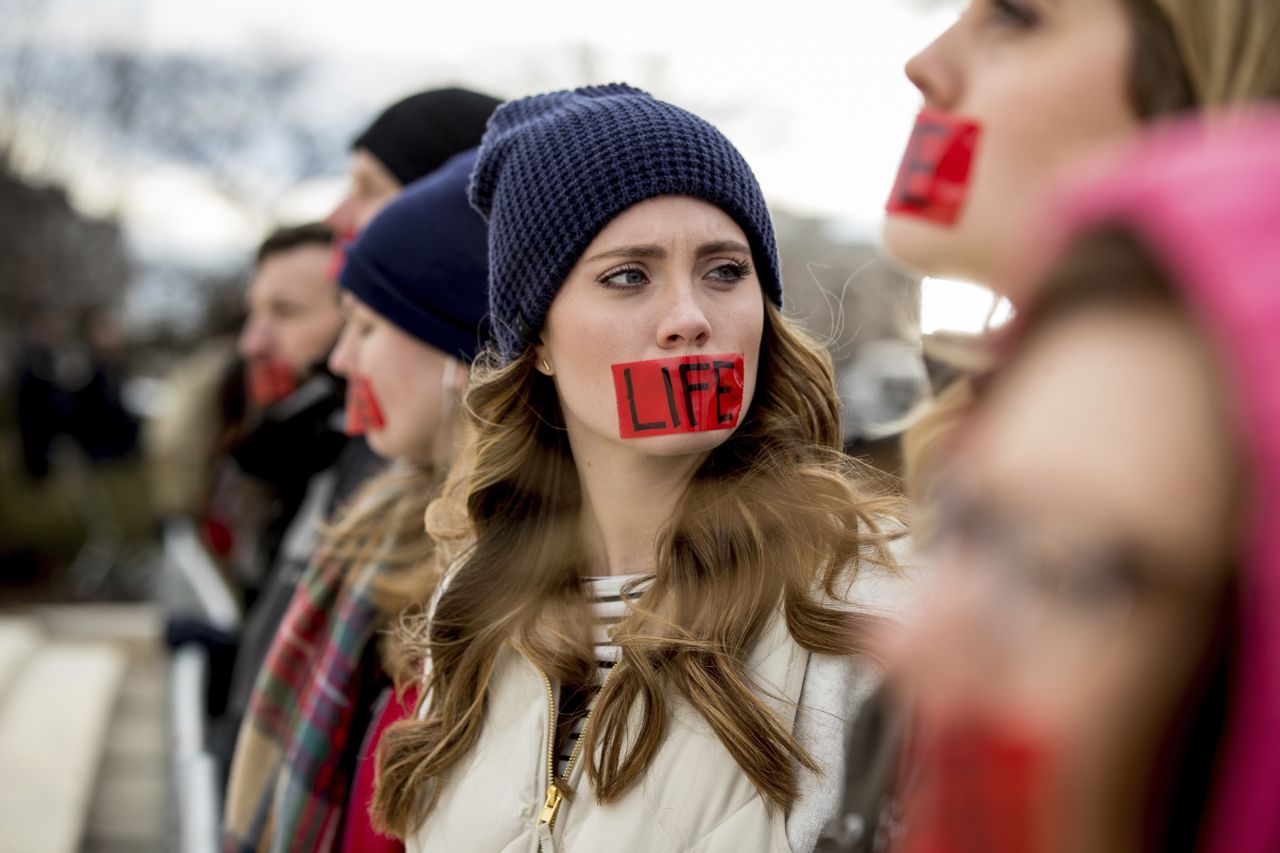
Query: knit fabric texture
pixel 422 262
pixel 416 135
pixel 289 779
pixel 555 169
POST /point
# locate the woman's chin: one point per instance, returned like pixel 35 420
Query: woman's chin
pixel 383 444
pixel 929 248
pixel 915 244
pixel 682 444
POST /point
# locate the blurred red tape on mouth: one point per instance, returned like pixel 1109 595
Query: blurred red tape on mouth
pixel 338 254
pixel 684 394
pixel 363 412
pixel 981 785
pixel 933 180
pixel 270 381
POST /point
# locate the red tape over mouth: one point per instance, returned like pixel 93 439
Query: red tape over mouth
pixel 270 381
pixel 338 254
pixel 933 179
pixel 363 412
pixel 671 396
pixel 982 786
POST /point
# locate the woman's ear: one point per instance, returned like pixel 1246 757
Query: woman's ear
pixel 542 363
pixel 460 377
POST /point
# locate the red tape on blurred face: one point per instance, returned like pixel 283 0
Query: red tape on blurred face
pixel 670 396
pixel 270 381
pixel 338 257
pixel 363 412
pixel 933 179
pixel 982 786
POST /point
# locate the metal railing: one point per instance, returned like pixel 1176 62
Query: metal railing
pixel 194 587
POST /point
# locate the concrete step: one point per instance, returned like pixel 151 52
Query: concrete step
pixel 19 639
pixel 127 810
pixel 53 728
pixel 135 628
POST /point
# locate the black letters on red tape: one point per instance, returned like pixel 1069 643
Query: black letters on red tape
pixel 671 396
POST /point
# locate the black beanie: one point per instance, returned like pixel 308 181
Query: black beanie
pixel 415 136
pixel 422 262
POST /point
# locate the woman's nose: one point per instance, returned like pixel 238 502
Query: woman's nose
pixel 936 71
pixel 684 321
pixel 342 359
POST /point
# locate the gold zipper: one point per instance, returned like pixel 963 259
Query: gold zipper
pixel 551 805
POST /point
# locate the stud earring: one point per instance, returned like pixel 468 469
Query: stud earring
pixel 545 365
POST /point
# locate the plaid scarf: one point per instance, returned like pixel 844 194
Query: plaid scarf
pixel 291 776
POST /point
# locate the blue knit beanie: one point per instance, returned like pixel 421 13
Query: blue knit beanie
pixel 555 169
pixel 422 262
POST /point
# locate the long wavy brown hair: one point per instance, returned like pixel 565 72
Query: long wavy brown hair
pixel 777 519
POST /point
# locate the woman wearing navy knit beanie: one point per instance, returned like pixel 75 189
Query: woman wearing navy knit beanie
pixel 658 558
pixel 414 292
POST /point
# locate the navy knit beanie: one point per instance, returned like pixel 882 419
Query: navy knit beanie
pixel 555 169
pixel 416 135
pixel 422 262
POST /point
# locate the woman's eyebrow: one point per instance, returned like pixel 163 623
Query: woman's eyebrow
pixel 720 247
pixel 658 253
pixel 655 252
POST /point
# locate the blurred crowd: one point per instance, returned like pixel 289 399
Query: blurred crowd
pixel 550 532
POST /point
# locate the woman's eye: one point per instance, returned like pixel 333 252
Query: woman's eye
pixel 623 278
pixel 1014 13
pixel 1091 580
pixel 730 273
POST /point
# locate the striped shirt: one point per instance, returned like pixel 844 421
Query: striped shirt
pixel 604 597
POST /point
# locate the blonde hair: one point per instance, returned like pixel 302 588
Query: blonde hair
pixel 776 517
pixel 1226 48
pixel 925 444
pixel 383 523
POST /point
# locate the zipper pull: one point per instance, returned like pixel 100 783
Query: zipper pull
pixel 551 806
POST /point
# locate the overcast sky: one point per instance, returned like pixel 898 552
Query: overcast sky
pixel 813 93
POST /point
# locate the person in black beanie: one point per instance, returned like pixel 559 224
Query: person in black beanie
pixel 407 141
pixel 415 294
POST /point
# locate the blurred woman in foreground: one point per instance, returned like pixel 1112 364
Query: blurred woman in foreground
pixel 1101 669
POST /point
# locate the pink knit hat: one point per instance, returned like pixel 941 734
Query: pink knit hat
pixel 1204 199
